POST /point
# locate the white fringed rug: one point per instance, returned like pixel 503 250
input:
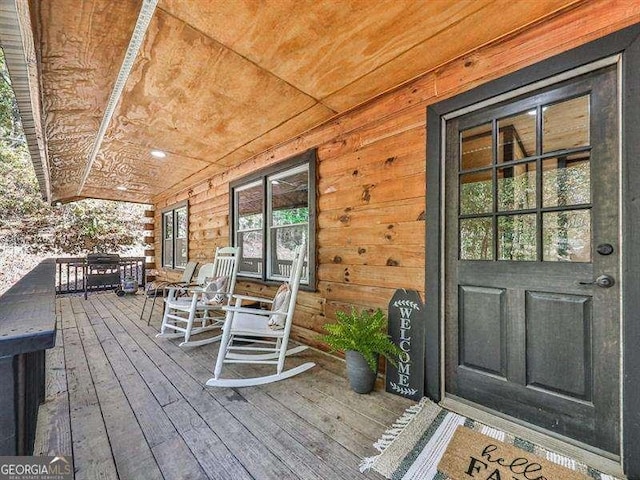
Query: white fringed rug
pixel 412 448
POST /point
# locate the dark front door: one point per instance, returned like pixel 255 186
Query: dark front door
pixel 531 259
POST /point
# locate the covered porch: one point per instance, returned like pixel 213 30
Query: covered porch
pixel 124 404
pixel 214 114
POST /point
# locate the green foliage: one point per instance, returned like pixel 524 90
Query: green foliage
pixel 26 220
pixel 363 332
pixel 10 126
pixel 291 216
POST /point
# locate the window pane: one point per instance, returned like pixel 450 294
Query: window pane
pixel 566 180
pixel 167 260
pixel 271 217
pixel 476 239
pixel 517 137
pixel 249 207
pixel 167 239
pixel 475 147
pixel 476 194
pixel 251 244
pixel 284 241
pixel 290 199
pixel 168 225
pixel 181 252
pixel 517 237
pixel 566 236
pixel 181 222
pixel 517 187
pixel 565 124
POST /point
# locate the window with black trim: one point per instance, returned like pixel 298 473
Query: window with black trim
pixel 175 235
pixel 273 212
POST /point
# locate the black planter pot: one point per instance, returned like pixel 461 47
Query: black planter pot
pixel 361 377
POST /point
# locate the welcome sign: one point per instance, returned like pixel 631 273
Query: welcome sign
pixel 406 329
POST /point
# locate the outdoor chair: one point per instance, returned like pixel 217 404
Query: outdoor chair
pixel 158 288
pixel 203 304
pixel 258 336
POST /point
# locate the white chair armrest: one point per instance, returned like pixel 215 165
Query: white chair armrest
pixel 254 299
pixel 253 311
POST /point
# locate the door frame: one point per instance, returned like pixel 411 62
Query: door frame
pixel 626 43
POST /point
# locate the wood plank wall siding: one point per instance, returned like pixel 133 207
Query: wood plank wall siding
pixel 371 173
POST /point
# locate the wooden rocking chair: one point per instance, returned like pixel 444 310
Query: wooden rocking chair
pixel 204 303
pixel 257 336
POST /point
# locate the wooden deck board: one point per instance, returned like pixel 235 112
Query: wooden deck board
pixel 54 423
pixel 256 458
pixel 131 452
pixel 91 448
pixel 130 405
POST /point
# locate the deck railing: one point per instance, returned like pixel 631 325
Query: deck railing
pixel 27 328
pixel 71 273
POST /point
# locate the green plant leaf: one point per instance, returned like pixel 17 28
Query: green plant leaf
pixel 364 332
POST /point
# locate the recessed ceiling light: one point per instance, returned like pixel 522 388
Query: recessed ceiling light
pixel 158 153
pixel 121 188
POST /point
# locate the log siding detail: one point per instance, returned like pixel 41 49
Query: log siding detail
pixel 371 173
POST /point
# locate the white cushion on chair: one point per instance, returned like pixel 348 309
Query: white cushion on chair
pixel 214 290
pixel 280 303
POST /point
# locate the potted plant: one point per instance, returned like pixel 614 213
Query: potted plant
pixel 362 336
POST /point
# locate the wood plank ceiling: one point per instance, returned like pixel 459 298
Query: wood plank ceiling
pixel 216 82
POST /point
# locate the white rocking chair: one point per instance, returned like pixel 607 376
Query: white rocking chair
pixel 156 288
pixel 249 338
pixel 182 312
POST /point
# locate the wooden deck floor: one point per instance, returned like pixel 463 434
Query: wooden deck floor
pixel 126 405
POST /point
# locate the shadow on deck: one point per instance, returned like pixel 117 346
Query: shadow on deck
pixel 127 405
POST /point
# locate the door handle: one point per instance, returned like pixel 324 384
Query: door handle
pixel 603 281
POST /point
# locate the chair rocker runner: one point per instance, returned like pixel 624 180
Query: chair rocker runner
pixel 257 336
pixel 200 309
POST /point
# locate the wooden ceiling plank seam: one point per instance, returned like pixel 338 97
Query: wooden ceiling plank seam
pixel 215 164
pixel 182 155
pixel 400 54
pixel 476 48
pixel 16 37
pixel 147 10
pixel 353 118
pixel 244 57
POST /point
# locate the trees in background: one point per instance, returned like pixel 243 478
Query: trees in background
pixel 30 225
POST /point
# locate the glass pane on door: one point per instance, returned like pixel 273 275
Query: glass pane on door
pixel 517 237
pixel 476 147
pixel 476 239
pixel 517 137
pixel 566 180
pixel 566 236
pixel 565 125
pixel 517 187
pixel 476 192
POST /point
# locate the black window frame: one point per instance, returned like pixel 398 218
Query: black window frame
pixel 172 209
pixel 261 177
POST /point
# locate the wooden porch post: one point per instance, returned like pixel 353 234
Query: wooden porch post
pixel 149 243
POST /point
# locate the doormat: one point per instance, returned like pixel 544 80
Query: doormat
pixel 471 454
pixel 415 444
